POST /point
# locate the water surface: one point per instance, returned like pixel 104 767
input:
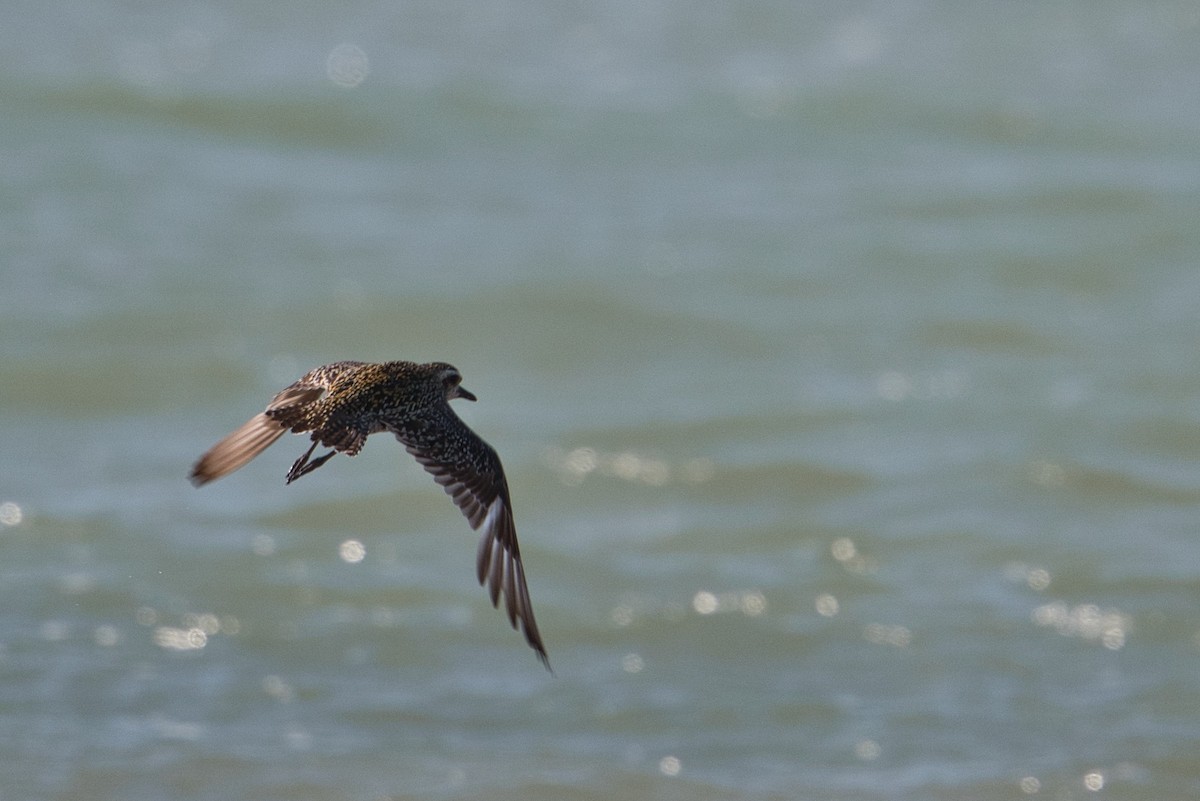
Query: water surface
pixel 841 360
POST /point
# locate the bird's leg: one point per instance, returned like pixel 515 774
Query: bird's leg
pixel 303 466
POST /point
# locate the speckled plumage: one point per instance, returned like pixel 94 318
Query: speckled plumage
pixel 343 403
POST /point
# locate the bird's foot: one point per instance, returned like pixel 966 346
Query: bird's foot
pixel 303 466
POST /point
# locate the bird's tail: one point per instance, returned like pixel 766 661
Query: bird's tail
pixel 236 449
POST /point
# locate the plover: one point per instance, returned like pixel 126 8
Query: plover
pixel 345 402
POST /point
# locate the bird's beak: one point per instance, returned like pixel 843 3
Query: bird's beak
pixel 462 392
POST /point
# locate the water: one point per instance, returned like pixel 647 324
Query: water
pixel 841 361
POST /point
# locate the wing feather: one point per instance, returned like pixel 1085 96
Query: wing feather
pixel 469 470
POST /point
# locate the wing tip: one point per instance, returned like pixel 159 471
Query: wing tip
pixel 498 568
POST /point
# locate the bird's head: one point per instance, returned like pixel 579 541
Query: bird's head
pixel 451 381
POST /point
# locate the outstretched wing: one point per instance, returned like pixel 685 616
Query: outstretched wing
pixel 260 431
pixel 469 470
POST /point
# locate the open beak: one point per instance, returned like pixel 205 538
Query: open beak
pixel 461 392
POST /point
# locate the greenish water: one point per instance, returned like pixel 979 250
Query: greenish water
pixel 842 361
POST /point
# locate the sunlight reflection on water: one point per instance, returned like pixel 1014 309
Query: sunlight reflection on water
pixel 1109 627
pixel 347 65
pixel 10 514
pixel 352 551
pixel 575 465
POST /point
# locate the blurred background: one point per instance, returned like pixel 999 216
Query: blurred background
pixel 842 358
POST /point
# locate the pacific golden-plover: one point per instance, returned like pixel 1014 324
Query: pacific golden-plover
pixel 345 402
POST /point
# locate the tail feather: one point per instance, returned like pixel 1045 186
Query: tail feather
pixel 236 449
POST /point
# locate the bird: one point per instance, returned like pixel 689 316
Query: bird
pixel 342 403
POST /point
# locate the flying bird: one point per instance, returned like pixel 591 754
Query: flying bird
pixel 343 403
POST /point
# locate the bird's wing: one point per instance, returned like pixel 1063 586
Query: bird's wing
pixel 470 472
pixel 260 431
pixel 309 387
